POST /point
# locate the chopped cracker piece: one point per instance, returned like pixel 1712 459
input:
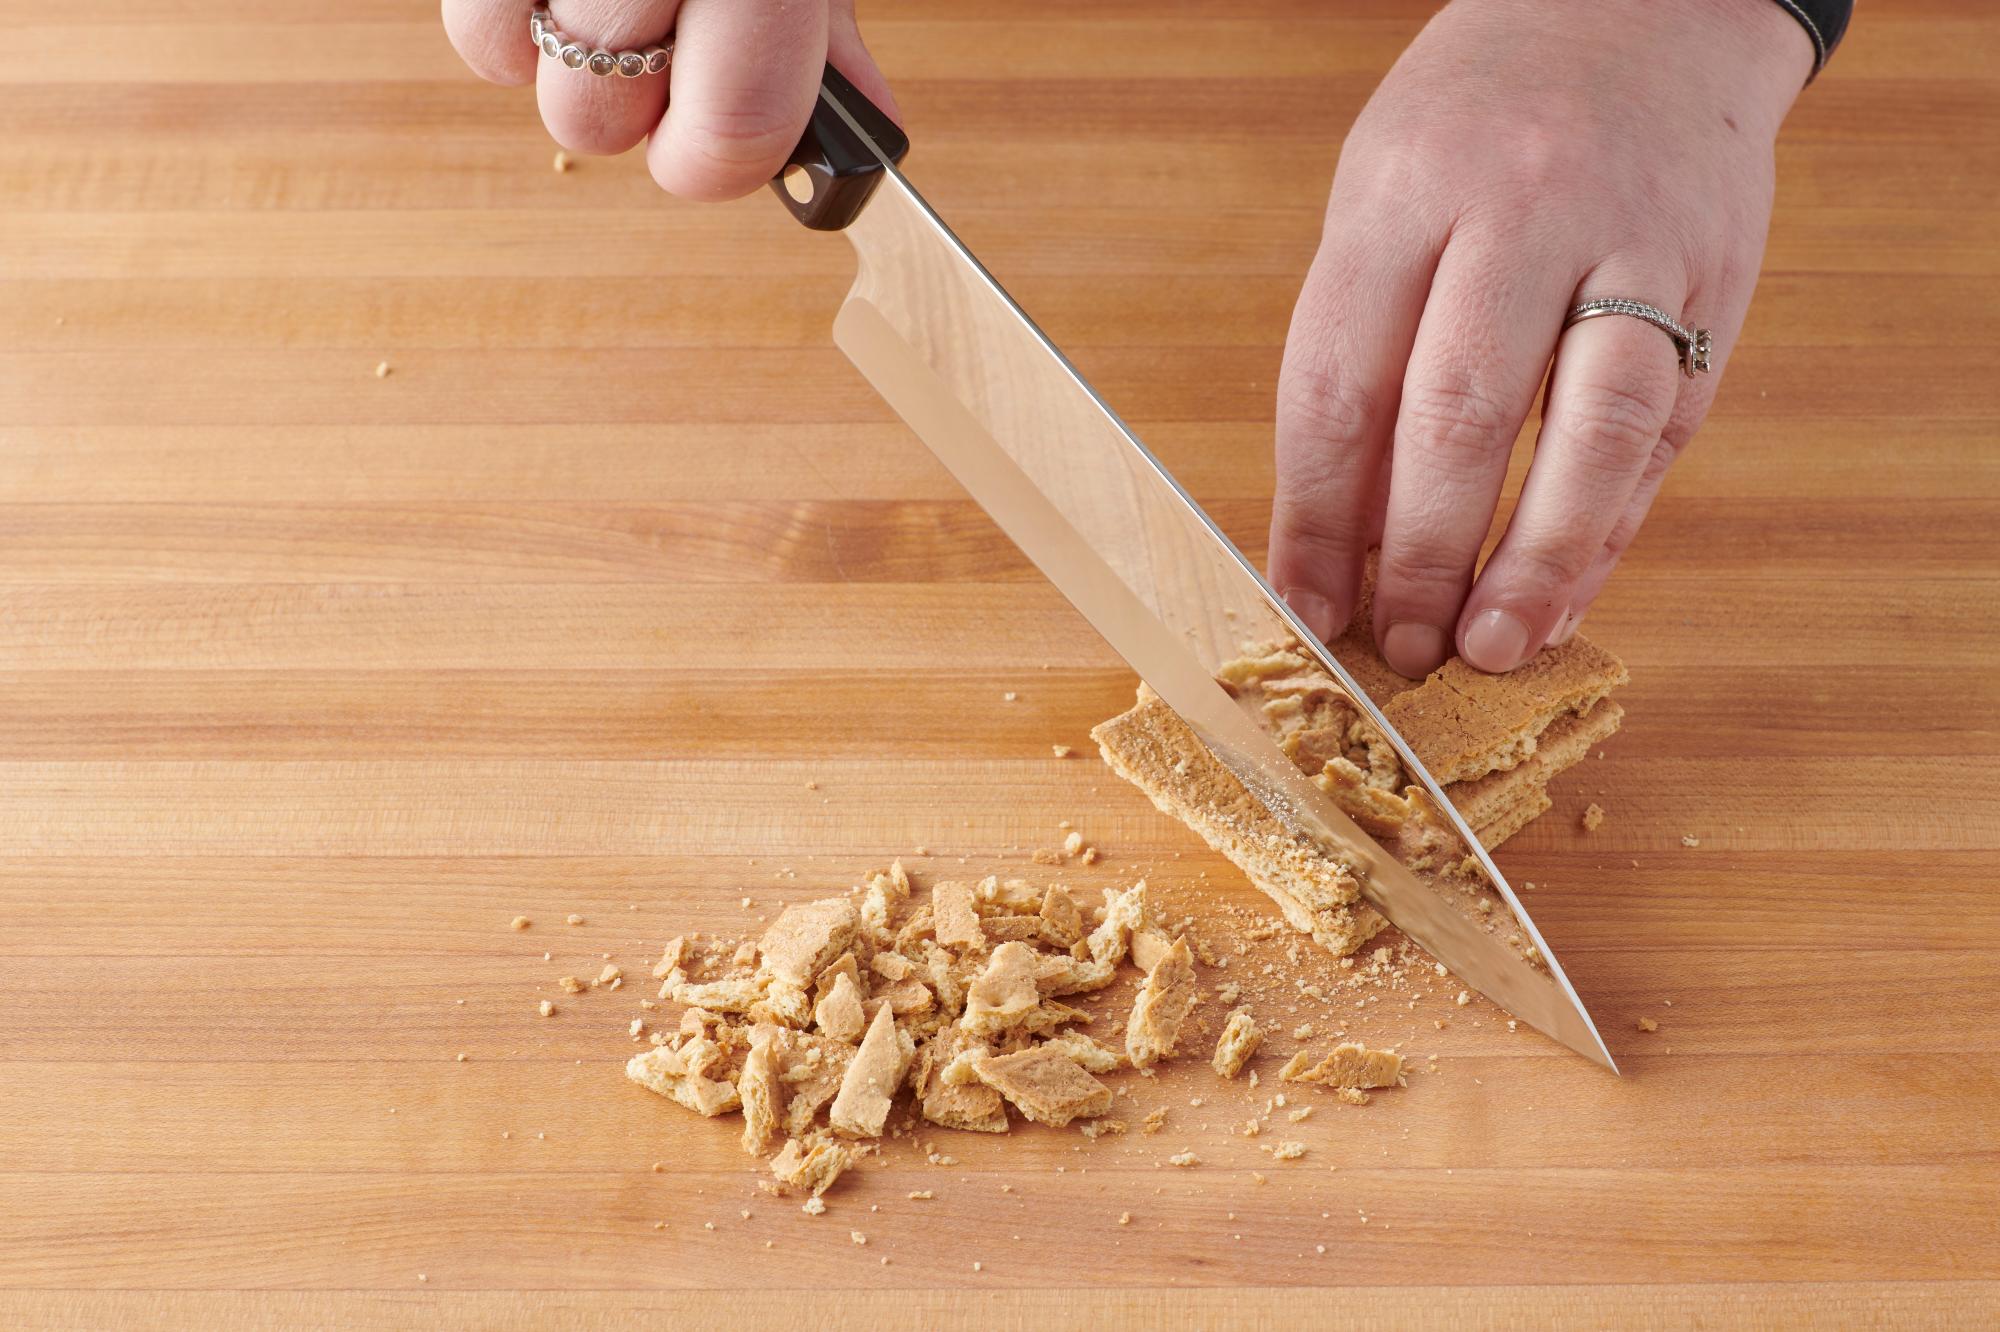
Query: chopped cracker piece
pixel 572 985
pixel 1086 1053
pixel 1045 1086
pixel 1061 919
pixel 1648 1024
pixel 1005 993
pixel 1184 1159
pixel 910 997
pixel 812 1163
pixel 955 916
pixel 892 967
pixel 1593 817
pixel 805 939
pixel 1153 1030
pixel 839 1013
pixel 1239 1040
pixel 949 1094
pixel 811 1068
pixel 1124 912
pixel 1012 929
pixel 735 994
pixel 1148 947
pixel 1350 1066
pixel 609 974
pixel 873 1077
pixel 671 958
pixel 1287 1151
pixel 1046 855
pixel 762 1093
pixel 1155 1120
pixel 682 1075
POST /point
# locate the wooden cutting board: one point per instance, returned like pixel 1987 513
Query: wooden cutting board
pixel 621 596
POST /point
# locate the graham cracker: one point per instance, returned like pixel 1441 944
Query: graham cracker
pixel 1153 749
pixel 1567 740
pixel 1464 724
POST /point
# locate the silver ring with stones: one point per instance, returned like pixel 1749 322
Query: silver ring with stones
pixel 1693 344
pixel 560 46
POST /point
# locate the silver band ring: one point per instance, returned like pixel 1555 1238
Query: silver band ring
pixel 559 45
pixel 1691 343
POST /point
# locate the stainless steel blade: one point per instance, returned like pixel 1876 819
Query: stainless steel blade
pixel 1111 528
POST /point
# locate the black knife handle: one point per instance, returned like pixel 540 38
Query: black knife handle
pixel 831 173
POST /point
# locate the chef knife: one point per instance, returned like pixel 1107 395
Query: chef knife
pixel 1074 488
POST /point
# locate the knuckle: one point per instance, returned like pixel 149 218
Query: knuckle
pixel 1552 565
pixel 1325 407
pixel 1461 426
pixel 1616 425
pixel 1317 523
pixel 742 134
pixel 1420 571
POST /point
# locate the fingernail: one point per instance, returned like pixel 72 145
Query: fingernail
pixel 1566 627
pixel 1495 641
pixel 1314 609
pixel 1414 650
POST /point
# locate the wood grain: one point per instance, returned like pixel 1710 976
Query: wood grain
pixel 310 681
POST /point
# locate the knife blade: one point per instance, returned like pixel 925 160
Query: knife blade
pixel 1108 525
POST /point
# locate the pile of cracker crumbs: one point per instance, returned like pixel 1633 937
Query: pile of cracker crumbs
pixel 892 1010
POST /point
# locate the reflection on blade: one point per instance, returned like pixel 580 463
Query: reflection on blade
pixel 1061 474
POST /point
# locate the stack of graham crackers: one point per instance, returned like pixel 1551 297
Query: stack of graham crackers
pixel 1493 742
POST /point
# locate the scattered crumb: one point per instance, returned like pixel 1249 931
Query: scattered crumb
pixel 1648 1024
pixel 520 922
pixel 1184 1159
pixel 1690 841
pixel 609 974
pixel 857 1237
pixel 547 1009
pixel 562 162
pixel 572 984
pixel 1009 696
pixel 573 919
pixel 381 370
pixel 1062 751
pixel 813 1206
pixel 1464 998
pixel 1287 1151
pixel 921 1195
pixel 1073 844
pixel 1124 1218
pixel 1593 817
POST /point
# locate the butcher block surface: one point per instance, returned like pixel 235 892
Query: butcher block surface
pixel 618 594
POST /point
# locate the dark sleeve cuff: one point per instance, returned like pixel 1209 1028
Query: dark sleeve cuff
pixel 1825 21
